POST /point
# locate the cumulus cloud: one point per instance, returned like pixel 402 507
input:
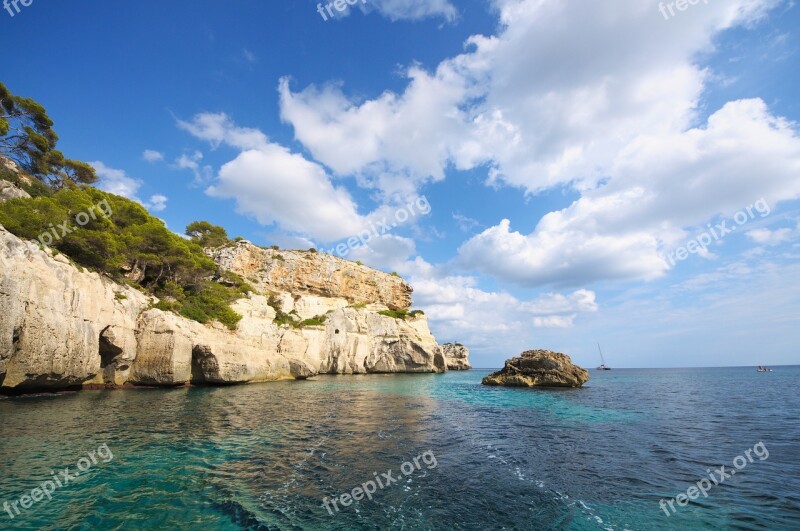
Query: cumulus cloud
pixel 620 229
pixel 277 186
pixel 116 181
pixel 151 155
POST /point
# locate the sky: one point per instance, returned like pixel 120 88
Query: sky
pixel 545 173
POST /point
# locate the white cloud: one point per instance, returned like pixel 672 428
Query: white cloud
pixel 277 186
pixel 540 110
pixel 774 237
pixel 554 321
pixel 157 202
pixel 151 155
pixel 489 321
pixel 619 230
pixel 192 161
pixel 219 128
pixel 117 182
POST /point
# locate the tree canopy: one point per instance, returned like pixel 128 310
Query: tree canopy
pixel 207 235
pixel 27 137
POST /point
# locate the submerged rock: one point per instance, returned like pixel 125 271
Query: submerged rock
pixel 539 368
pixel 456 356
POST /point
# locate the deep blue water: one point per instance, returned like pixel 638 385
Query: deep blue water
pixel 265 456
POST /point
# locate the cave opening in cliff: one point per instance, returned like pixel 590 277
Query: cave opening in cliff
pixel 199 355
pixel 109 353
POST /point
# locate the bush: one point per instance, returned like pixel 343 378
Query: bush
pixel 394 314
pixel 318 320
pixel 401 314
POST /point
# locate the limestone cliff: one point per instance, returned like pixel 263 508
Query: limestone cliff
pixel 309 272
pixel 62 326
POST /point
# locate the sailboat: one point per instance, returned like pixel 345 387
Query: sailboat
pixel 602 366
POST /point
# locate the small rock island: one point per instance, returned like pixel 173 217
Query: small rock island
pixel 539 368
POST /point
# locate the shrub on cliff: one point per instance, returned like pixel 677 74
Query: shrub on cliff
pixel 401 314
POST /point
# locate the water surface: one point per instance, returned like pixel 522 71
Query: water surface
pixel 265 456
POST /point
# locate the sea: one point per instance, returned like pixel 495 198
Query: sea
pixel 447 452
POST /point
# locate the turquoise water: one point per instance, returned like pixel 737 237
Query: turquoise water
pixel 265 456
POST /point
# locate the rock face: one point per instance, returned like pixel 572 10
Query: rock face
pixel 61 326
pixel 309 272
pixel 456 356
pixel 539 368
pixel 11 191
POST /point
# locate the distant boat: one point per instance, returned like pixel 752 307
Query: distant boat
pixel 761 368
pixel 602 366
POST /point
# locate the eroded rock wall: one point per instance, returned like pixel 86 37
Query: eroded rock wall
pixel 308 272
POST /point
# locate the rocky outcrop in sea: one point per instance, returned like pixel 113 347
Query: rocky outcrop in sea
pixel 456 356
pixel 62 326
pixel 539 368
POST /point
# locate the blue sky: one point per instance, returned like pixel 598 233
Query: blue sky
pixel 564 148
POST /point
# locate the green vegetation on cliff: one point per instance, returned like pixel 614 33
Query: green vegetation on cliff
pixel 125 242
pixel 401 314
